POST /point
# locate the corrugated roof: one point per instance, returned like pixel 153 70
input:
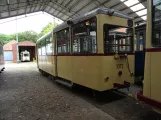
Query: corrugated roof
pixel 67 9
pixel 9 45
pixel 26 43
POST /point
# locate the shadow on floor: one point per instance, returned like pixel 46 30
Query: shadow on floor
pixel 116 104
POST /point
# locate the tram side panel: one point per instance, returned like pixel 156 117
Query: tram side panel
pixel 49 64
pixel 155 75
pixel 64 67
pixel 147 76
pixel 39 60
pixel 87 71
pixel 43 61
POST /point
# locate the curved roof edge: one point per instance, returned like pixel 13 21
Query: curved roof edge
pixel 92 14
pixel 44 36
pixel 108 12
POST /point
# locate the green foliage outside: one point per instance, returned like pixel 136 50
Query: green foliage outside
pixel 46 29
pixel 26 35
pixel 6 38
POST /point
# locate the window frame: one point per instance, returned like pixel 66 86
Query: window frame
pixel 39 43
pixel 138 33
pixel 68 48
pixel 75 53
pixel 132 42
pixel 50 42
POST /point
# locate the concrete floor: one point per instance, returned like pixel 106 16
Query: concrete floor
pixel 27 95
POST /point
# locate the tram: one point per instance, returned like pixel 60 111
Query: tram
pixel 95 51
pixel 140 31
pixel 152 75
pixel 1 58
pixel 25 56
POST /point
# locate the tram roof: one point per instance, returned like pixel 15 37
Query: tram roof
pixel 87 16
pixel 90 15
pixel 67 9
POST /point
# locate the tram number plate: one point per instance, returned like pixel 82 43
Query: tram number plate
pixel 119 66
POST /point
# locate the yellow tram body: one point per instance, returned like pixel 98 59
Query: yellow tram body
pixel 98 71
pixel 152 75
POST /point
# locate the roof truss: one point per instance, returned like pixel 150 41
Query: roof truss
pixel 65 9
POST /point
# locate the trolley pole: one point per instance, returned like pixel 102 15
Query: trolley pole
pixel 17 42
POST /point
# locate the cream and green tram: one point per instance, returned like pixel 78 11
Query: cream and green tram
pixel 94 50
pixel 151 93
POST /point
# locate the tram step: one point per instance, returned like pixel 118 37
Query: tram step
pixel 64 82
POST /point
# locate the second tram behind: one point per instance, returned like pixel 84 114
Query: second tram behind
pixel 94 50
pixel 152 75
pixel 25 56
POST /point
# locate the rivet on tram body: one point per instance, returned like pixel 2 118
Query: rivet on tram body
pixel 120 73
pixel 106 79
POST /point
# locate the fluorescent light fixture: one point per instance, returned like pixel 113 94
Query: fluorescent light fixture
pixel 144 17
pixel 142 12
pixel 131 2
pixel 136 7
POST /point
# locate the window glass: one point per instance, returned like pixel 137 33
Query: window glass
pixel 39 51
pixel 39 48
pixel 49 45
pixel 117 39
pixel 140 41
pixel 43 47
pixel 26 55
pixel 43 50
pixel 63 41
pixel 84 37
pixel 156 18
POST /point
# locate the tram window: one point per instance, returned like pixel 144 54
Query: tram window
pixel 140 41
pixel 26 55
pixel 117 39
pixel 39 48
pixel 156 18
pixel 43 47
pixel 63 41
pixel 49 45
pixel 84 37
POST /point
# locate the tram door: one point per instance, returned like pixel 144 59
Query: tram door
pixel 140 53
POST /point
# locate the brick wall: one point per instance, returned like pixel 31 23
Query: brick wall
pixel 14 50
